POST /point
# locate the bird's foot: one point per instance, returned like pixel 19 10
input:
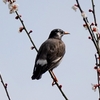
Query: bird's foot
pixel 55 80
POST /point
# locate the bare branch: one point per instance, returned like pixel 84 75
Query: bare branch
pixel 26 31
pixel 5 87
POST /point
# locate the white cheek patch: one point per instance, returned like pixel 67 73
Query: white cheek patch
pixel 41 62
pixel 59 34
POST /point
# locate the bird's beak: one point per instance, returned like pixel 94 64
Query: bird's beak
pixel 65 33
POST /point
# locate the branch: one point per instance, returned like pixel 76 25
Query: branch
pixel 5 87
pixel 85 19
pixel 94 16
pixel 59 86
pixel 95 37
pixel 98 62
pixel 37 52
pixel 93 7
pixel 28 34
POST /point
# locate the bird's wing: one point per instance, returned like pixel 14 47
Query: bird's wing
pixel 49 55
pixel 57 51
pixel 52 51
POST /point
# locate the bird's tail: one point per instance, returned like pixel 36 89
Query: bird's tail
pixel 35 76
pixel 37 73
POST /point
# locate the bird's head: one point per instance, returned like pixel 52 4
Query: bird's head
pixel 57 33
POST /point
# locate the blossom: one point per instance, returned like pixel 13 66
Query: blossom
pixel 18 16
pixel 60 86
pixel 94 86
pixel 32 47
pixel 5 85
pixel 10 1
pixel 90 37
pixel 75 7
pixel 13 7
pixel 21 29
pixel 95 67
pixel 95 29
pixel 90 10
pixel 5 1
pixel 98 70
pixel 85 25
pixel 83 15
pixel 92 24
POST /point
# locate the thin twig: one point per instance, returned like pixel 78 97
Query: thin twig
pixel 37 52
pixel 98 78
pixel 5 87
pixel 89 28
pixel 79 6
pixel 92 35
pixel 93 7
pixel 94 16
pixel 96 60
pixel 58 86
pixel 97 65
pixel 94 39
pixel 27 32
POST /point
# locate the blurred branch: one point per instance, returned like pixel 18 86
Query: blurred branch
pixel 95 37
pixel 5 87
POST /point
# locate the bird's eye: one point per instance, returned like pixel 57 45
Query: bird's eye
pixel 61 32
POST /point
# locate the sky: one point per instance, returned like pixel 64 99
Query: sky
pixel 76 71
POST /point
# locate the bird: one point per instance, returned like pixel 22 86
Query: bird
pixel 49 54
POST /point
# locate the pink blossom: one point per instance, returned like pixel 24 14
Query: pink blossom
pixel 13 7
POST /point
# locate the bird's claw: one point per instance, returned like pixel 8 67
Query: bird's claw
pixel 54 81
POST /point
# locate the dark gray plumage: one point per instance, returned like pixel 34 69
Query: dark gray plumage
pixel 50 53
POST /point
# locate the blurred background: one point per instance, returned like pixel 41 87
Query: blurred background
pixel 76 71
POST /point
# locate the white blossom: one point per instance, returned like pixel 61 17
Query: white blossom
pixel 83 15
pixel 9 5
pixel 5 1
pixel 11 11
pixel 74 8
pixel 13 7
pixel 93 87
